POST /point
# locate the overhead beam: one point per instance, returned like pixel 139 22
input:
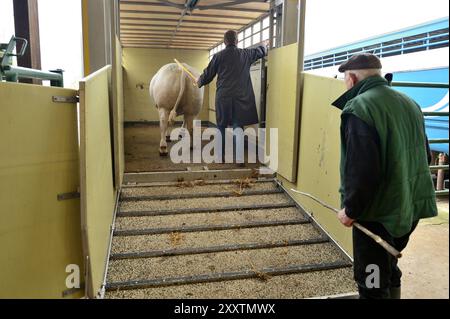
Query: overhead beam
pixel 185 21
pixel 195 14
pixel 189 40
pixel 197 25
pixel 26 24
pixel 167 43
pixel 167 31
pixel 167 39
pixel 125 37
pixel 196 45
pixel 229 5
pixel 163 47
pixel 163 4
pixel 166 36
pixel 146 26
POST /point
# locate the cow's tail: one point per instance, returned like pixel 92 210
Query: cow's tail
pixel 173 114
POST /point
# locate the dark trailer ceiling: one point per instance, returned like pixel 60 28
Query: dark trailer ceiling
pixel 184 24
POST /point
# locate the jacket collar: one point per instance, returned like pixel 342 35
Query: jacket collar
pixel 358 89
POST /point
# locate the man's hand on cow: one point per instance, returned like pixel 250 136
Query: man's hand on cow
pixel 344 219
pixel 195 82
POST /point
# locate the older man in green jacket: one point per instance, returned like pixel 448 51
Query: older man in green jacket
pixel 386 183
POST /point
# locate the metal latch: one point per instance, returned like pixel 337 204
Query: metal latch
pixel 65 99
pixel 68 196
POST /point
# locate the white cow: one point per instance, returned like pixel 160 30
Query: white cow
pixel 174 94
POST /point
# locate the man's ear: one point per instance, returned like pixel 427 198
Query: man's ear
pixel 353 78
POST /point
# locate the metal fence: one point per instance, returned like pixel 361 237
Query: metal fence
pixel 440 169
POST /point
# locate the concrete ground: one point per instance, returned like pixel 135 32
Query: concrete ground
pixel 425 261
pixel 142 152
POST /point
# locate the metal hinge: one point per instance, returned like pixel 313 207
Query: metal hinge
pixel 65 99
pixel 68 196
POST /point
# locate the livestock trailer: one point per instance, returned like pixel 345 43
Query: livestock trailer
pixel 89 209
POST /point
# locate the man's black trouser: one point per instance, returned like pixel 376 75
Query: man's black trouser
pixel 367 254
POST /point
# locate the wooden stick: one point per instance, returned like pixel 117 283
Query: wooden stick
pixel 380 241
pixel 186 70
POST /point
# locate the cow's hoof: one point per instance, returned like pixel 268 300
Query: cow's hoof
pixel 168 139
pixel 163 151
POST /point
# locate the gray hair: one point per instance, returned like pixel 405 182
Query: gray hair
pixel 364 74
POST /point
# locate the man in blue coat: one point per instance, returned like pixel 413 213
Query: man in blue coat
pixel 235 99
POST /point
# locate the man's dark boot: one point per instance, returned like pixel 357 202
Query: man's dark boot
pixel 395 292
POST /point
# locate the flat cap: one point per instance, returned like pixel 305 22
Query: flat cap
pixel 361 61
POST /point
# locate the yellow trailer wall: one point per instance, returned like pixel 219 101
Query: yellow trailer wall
pixel 97 186
pixel 118 114
pixel 39 234
pixel 140 65
pixel 318 141
pixel 282 108
pixel 319 154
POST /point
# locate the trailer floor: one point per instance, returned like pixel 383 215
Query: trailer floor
pixel 142 152
pixel 421 278
pixel 221 239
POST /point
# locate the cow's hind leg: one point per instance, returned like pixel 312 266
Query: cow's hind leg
pixel 168 139
pixel 182 132
pixel 164 123
pixel 189 128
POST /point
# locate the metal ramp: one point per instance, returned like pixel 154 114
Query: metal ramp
pixel 220 238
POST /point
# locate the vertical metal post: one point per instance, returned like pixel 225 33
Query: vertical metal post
pixel 12 78
pixel 271 35
pixel 278 13
pixel 58 83
pixel 300 68
pixel 283 23
pixel 96 34
pixel 86 49
pixel 301 35
pixel 263 93
pixel 26 23
pixel 441 172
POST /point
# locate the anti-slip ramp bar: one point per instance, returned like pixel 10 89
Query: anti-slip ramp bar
pixel 226 276
pixel 200 195
pixel 217 249
pixel 205 228
pixel 201 210
pixel 175 176
pixel 205 183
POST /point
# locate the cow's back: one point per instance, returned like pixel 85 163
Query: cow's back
pixel 165 86
pixel 165 89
